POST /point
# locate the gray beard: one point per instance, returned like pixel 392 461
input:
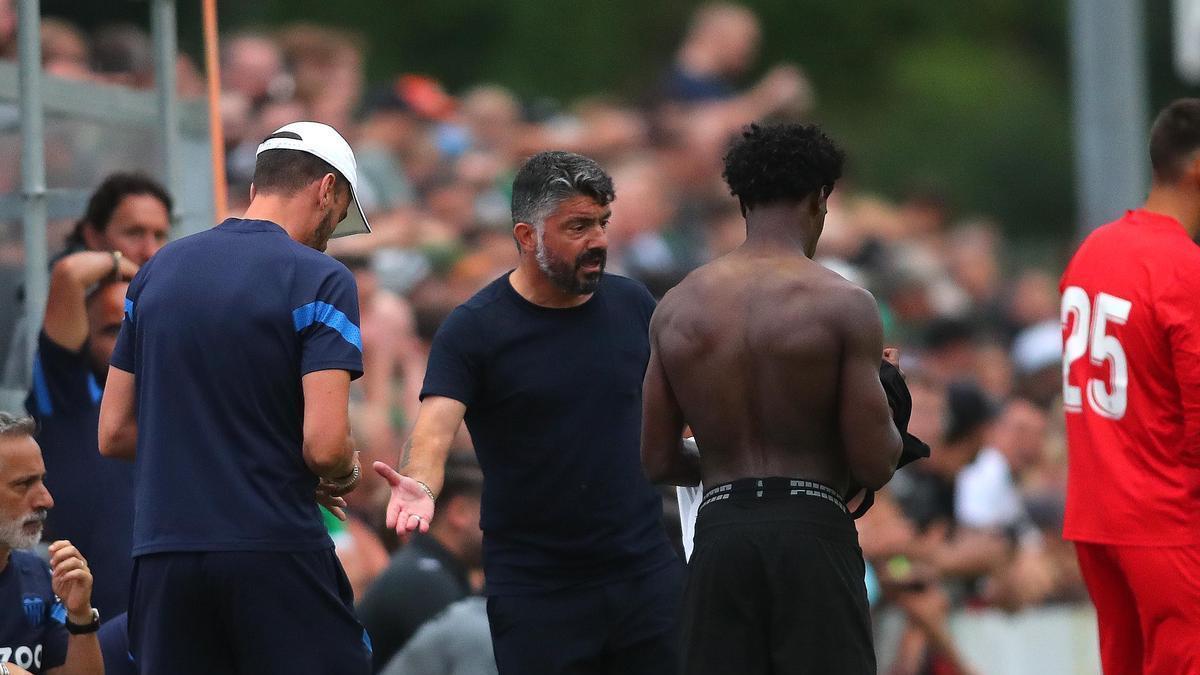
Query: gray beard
pixel 13 535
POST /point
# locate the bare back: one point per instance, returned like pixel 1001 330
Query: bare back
pixel 753 348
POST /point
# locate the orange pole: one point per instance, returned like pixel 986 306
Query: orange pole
pixel 212 66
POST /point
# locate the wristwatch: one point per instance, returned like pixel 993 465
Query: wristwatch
pixel 84 629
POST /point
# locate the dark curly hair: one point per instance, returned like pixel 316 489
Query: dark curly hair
pixel 108 197
pixel 781 163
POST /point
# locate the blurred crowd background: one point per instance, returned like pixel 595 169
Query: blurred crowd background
pixel 956 214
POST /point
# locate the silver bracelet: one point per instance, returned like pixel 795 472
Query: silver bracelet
pixel 343 482
pixel 429 492
pixel 4 668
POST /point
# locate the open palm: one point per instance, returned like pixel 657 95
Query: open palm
pixel 409 509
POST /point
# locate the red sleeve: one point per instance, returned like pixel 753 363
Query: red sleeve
pixel 1179 310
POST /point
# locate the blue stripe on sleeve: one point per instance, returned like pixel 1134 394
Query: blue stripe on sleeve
pixel 41 391
pixel 129 309
pixel 94 388
pixel 323 312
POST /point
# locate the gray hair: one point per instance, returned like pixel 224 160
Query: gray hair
pixel 549 178
pixel 12 425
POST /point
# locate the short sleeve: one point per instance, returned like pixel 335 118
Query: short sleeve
pixel 124 354
pixel 54 638
pixel 1179 311
pixel 327 322
pixel 454 359
pixel 62 381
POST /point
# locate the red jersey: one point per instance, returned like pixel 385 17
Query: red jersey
pixel 1131 384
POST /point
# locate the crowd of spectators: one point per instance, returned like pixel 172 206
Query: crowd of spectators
pixel 976 525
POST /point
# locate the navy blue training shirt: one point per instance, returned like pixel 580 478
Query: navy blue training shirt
pixel 219 328
pixel 554 407
pixel 33 633
pixel 93 495
pixel 114 646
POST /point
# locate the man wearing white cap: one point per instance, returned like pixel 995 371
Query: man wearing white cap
pixel 229 385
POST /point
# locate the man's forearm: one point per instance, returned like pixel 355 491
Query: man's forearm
pixel 342 464
pixel 971 553
pixel 424 460
pixel 679 467
pixel 83 656
pixel 121 444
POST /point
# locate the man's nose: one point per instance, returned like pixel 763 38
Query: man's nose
pixel 42 498
pixel 598 238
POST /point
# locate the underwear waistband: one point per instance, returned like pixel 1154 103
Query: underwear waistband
pixel 772 488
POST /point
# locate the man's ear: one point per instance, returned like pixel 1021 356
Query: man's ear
pixel 325 192
pixel 526 236
pixel 1193 170
pixel 822 200
pixel 253 191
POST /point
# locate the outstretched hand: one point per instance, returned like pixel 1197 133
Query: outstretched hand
pixel 409 509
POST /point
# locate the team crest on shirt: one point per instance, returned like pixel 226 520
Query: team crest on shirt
pixel 35 610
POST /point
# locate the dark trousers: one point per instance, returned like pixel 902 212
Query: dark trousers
pixel 776 586
pixel 254 613
pixel 628 627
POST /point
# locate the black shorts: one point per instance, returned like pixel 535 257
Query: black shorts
pixel 627 627
pixel 245 612
pixel 775 585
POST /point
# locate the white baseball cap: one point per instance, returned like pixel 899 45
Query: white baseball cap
pixel 324 142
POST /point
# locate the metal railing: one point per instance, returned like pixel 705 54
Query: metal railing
pixel 99 128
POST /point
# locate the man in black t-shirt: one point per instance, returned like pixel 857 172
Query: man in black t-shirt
pixel 545 365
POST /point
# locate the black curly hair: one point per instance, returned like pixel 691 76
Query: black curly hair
pixel 781 163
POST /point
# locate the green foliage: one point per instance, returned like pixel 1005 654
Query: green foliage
pixel 985 126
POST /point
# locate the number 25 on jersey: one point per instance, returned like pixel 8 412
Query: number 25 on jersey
pixel 1089 323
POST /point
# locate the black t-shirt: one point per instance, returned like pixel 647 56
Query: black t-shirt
pixel 93 495
pixel 554 407
pixel 33 632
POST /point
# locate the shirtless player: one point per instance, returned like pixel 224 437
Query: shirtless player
pixel 773 361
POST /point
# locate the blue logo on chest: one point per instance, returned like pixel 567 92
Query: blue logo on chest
pixel 35 610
